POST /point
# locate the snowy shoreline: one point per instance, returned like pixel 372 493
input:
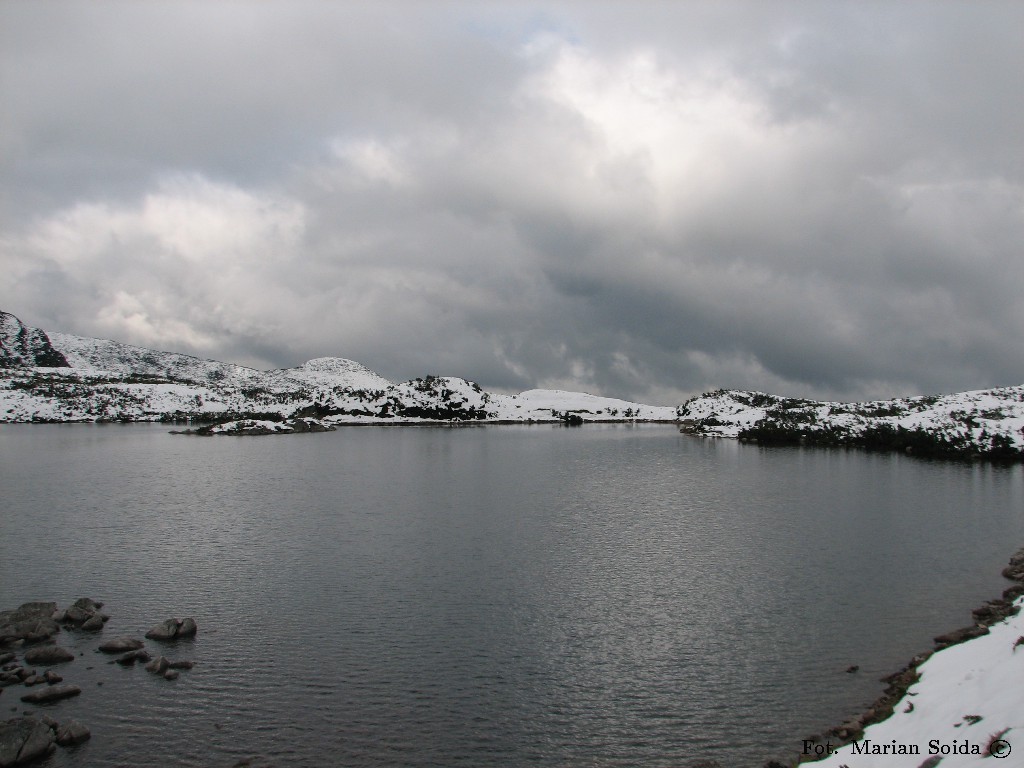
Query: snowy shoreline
pixel 954 706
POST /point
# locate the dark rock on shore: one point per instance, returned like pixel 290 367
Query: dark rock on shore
pixel 167 669
pixel 94 623
pixel 133 656
pixel 960 635
pixel 172 629
pixel 51 693
pixel 48 654
pixel 897 683
pixel 85 614
pixel 121 645
pixel 72 732
pixel 1015 570
pixel 29 623
pixel 23 739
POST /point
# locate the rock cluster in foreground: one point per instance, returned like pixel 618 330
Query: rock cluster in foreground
pixel 29 631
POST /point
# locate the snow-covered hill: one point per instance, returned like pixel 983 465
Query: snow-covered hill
pixel 60 377
pixel 985 422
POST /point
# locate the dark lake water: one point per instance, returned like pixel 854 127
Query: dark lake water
pixel 498 596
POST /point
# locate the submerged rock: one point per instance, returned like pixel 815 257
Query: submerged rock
pixel 133 656
pixel 51 693
pixel 121 644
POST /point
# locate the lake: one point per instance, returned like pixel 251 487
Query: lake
pixel 610 595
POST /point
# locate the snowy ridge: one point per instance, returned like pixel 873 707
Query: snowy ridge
pixel 332 372
pixel 533 403
pixel 106 380
pixel 99 357
pixel 984 422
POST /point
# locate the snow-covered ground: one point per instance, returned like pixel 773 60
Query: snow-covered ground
pixel 968 702
pixel 977 420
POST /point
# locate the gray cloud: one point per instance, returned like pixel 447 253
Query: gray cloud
pixel 643 201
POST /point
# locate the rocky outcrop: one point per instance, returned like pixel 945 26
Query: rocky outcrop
pixel 28 623
pixel 173 629
pixel 133 656
pixel 84 614
pixel 29 738
pixel 72 732
pixel 48 654
pixel 21 346
pixel 24 739
pixel 1015 570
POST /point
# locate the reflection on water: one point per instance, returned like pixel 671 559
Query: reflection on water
pixel 490 596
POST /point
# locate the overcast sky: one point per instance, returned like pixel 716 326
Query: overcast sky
pixel 635 199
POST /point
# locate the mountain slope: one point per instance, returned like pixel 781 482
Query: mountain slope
pixel 104 380
pixel 22 346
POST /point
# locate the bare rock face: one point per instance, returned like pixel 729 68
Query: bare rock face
pixel 24 346
pixel 23 739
